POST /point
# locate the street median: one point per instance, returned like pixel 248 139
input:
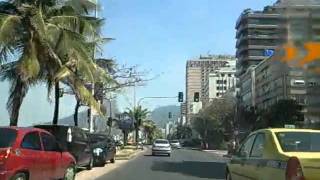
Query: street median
pixel 127 153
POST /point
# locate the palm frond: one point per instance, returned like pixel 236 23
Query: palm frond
pixel 28 63
pixel 9 35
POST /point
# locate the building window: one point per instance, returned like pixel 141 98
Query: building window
pixel 230 75
pixel 295 82
pixel 312 84
pixel 222 75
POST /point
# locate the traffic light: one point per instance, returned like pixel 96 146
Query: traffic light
pixel 170 115
pixel 180 97
pixel 109 122
pixel 196 97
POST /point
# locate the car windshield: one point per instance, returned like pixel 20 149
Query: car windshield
pixel 161 142
pixel 299 141
pixel 7 137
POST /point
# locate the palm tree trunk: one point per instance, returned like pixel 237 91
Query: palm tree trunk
pixel 56 103
pixel 125 137
pixel 76 113
pixel 137 135
pixel 18 91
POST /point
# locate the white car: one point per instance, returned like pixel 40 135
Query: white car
pixel 175 144
pixel 161 146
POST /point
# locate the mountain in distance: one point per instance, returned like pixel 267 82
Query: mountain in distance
pixel 160 115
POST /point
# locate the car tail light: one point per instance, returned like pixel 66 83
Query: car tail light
pixel 4 154
pixel 294 169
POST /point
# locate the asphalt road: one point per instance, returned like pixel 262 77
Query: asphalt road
pixel 182 165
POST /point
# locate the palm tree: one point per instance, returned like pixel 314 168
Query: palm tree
pixel 107 66
pixel 150 128
pixel 138 115
pixel 52 44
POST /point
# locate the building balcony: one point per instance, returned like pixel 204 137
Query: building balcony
pixel 254 14
pixel 244 39
pixel 247 47
pixel 257 26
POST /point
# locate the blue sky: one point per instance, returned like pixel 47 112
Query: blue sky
pixel 158 36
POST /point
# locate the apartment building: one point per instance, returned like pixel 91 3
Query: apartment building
pixel 220 81
pixel 197 76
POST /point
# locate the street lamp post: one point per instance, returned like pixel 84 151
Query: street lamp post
pixel 90 113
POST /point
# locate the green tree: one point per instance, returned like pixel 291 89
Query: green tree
pixel 183 132
pixel 138 114
pixel 53 43
pixel 282 113
pixel 216 121
pixel 150 128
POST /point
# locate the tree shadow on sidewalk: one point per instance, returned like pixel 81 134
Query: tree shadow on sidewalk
pixel 215 170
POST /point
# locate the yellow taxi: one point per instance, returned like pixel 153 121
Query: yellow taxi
pixel 277 154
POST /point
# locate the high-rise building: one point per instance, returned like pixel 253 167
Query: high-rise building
pixel 259 33
pixel 265 81
pixel 220 81
pixel 197 76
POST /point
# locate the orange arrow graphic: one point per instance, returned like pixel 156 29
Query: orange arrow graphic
pixel 291 52
pixel 313 49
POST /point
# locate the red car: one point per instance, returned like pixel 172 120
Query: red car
pixel 33 154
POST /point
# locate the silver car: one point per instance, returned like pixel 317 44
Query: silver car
pixel 175 144
pixel 161 146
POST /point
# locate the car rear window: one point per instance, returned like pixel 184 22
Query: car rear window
pixel 161 142
pixel 7 137
pixel 299 141
pixel 174 141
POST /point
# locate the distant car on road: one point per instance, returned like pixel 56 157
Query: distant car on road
pixel 104 148
pixel 175 144
pixel 31 153
pixel 277 154
pixel 161 146
pixel 75 140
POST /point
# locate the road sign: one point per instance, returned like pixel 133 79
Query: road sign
pixel 269 52
pixel 289 126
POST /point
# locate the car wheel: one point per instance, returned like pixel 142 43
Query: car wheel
pixel 90 165
pixel 228 176
pixel 153 154
pixel 112 160
pixel 169 155
pixel 19 176
pixel 70 173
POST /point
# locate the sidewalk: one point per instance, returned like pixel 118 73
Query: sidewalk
pixel 221 153
pixel 122 157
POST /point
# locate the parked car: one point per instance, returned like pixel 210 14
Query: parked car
pixel 31 153
pixel 75 140
pixel 175 144
pixel 104 148
pixel 277 154
pixel 161 146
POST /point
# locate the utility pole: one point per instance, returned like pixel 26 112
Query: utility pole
pixel 90 111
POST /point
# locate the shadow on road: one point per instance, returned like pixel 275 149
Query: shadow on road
pixel 214 170
pixel 148 155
